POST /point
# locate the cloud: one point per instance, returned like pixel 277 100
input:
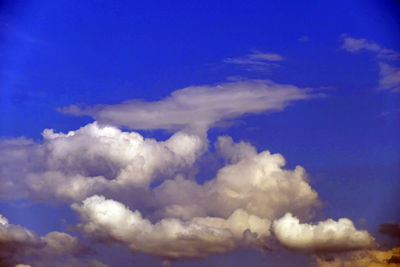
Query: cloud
pixel 180 218
pixel 364 258
pixel 325 236
pixel 197 108
pixel 20 246
pixel 252 181
pixel 303 38
pixel 256 61
pixel 169 238
pixel 354 45
pixel 389 75
pixel 235 209
pixel 92 159
pixel 256 58
pixel 142 193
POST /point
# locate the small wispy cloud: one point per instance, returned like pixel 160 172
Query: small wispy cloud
pixel 256 61
pixel 355 45
pixel 303 38
pixel 389 77
pixel 389 74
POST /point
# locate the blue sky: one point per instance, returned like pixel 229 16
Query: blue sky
pixel 316 82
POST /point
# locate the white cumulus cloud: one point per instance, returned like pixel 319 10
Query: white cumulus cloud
pixel 324 236
pixel 170 238
pixel 91 159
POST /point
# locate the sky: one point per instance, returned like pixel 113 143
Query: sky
pixel 199 133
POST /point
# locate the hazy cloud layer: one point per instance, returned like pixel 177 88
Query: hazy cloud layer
pixel 197 108
pixel 389 74
pixel 324 236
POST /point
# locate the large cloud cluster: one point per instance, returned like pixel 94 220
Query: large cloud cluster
pixel 185 219
pixel 143 194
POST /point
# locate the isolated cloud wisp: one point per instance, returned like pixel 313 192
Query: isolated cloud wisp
pixel 389 74
pixel 197 108
pixel 256 61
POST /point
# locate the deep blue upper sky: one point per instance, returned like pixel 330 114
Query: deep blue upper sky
pixel 57 53
pixel 92 52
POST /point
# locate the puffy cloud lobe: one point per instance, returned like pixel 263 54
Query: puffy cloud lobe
pixel 16 236
pixel 234 152
pixel 325 236
pixel 197 108
pixel 254 182
pixel 91 159
pixel 169 238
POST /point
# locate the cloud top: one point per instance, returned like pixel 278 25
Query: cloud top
pixel 326 236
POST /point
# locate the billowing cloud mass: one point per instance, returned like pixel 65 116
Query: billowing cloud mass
pixel 169 238
pixel 389 75
pixel 183 218
pixel 197 108
pixel 18 244
pixel 91 159
pixel 325 236
pixel 142 193
pixel 252 181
